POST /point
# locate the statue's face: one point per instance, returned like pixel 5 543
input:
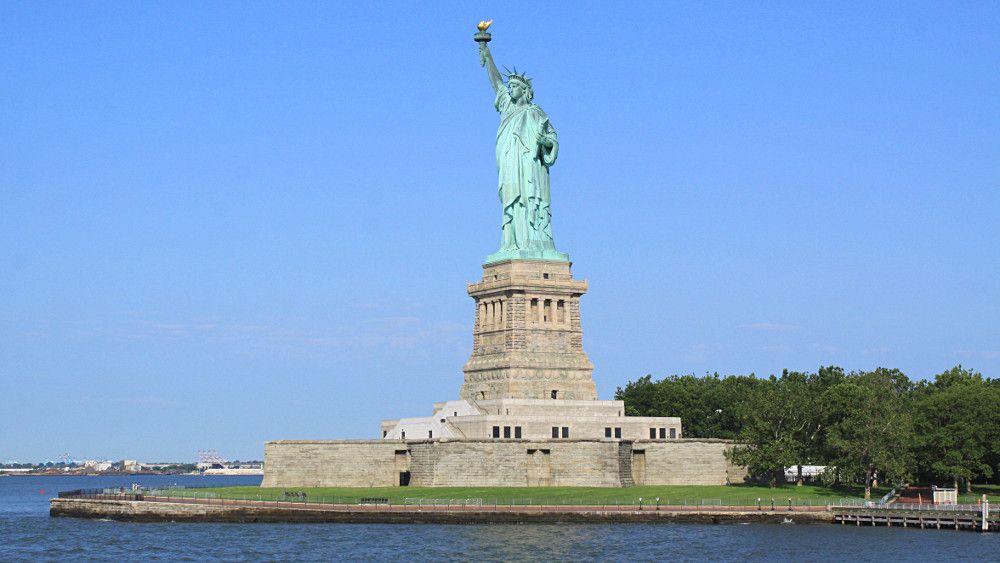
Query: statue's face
pixel 516 90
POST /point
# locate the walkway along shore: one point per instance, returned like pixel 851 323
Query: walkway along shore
pixel 175 509
pixel 150 508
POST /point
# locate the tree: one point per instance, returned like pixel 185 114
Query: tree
pixel 863 424
pixel 813 414
pixel 767 438
pixel 783 423
pixel 638 396
pixel 872 432
pixel 956 422
pixel 820 415
pixel 705 405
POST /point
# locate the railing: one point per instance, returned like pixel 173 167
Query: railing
pixel 925 507
pixel 294 498
pixel 943 507
pixel 443 501
pixel 116 493
pixel 858 503
pixel 888 496
pixel 298 497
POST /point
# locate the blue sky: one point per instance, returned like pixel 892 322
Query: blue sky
pixel 227 223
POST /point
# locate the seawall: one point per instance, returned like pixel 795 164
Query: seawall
pixel 255 511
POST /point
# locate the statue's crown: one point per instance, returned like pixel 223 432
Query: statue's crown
pixel 514 75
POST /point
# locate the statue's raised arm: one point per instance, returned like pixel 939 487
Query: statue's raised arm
pixel 486 58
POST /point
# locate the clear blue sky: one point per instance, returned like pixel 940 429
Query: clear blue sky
pixel 227 223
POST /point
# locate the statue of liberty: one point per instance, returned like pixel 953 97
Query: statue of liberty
pixel 526 148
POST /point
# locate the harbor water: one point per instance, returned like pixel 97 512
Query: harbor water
pixel 28 533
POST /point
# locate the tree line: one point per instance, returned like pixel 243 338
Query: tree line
pixel 863 425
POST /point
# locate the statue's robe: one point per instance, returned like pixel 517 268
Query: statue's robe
pixel 523 170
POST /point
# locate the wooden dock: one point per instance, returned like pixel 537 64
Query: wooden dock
pixel 968 517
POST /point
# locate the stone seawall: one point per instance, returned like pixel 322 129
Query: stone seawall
pixel 496 463
pixel 151 511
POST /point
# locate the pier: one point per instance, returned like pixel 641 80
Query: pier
pixel 971 517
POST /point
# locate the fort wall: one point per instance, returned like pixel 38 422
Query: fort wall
pixel 497 463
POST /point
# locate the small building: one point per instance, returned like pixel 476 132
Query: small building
pixel 131 465
pixel 98 466
pixel 944 495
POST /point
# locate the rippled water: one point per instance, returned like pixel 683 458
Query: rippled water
pixel 27 533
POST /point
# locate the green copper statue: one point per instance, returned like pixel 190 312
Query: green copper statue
pixel 526 149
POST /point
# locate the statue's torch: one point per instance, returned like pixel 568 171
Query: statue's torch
pixel 483 36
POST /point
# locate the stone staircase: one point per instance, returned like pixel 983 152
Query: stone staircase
pixel 625 463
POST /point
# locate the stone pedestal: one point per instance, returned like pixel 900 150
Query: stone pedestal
pixel 527 341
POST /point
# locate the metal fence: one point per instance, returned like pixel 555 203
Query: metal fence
pixel 443 501
pixel 289 497
pixel 115 493
pixel 942 507
pixel 296 497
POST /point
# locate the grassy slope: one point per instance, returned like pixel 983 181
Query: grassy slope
pixel 693 494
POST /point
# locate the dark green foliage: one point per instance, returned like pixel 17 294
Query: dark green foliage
pixel 872 432
pixel 707 405
pixel 782 422
pixel 185 467
pixel 870 426
pixel 957 423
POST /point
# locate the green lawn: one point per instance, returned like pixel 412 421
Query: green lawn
pixel 992 492
pixel 746 495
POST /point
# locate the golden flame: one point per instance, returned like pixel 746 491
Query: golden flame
pixel 484 25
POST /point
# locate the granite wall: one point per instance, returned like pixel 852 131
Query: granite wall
pixel 510 463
